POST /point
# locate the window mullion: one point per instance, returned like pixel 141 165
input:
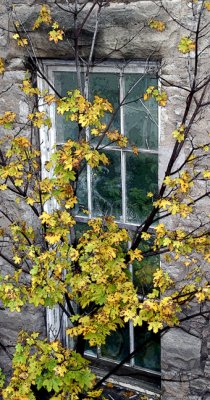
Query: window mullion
pixel 89 190
pixel 123 155
pixel 131 327
pixel 89 181
pixel 131 339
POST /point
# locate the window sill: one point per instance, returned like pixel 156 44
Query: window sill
pixel 141 381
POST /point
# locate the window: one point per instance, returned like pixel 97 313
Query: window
pixel 119 189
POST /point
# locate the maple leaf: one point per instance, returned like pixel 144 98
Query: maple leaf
pixel 157 25
pixel 30 201
pixel 186 45
pixel 178 134
pixel 53 238
pixel 155 326
pixel 145 235
pixel 50 98
pixel 28 89
pixel 207 5
pixel 17 259
pixel 2 66
pixel 206 174
pixel 21 41
pixel 200 296
pixel 56 35
pixel 44 17
pixel 160 96
pixel 3 187
pixel 135 150
pixel 7 119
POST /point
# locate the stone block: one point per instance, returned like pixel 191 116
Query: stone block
pixel 184 350
pixel 175 390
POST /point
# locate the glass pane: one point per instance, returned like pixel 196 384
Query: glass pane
pixel 80 228
pixel 65 81
pixel 117 345
pixel 90 351
pixel 81 193
pixel 107 187
pixel 142 177
pixel 143 274
pixel 148 344
pixel 106 85
pixel 141 118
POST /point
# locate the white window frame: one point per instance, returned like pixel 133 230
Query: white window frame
pixel 48 142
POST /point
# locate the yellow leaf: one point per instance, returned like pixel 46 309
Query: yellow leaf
pixel 53 238
pixel 207 5
pixel 21 41
pixel 44 17
pixel 206 174
pixel 3 187
pixel 135 150
pixel 2 66
pixel 17 259
pixel 7 118
pixel 18 182
pixel 55 25
pixel 155 326
pixel 50 98
pixel 56 35
pixel 179 136
pixel 45 217
pixel 186 45
pixel 135 255
pixel 30 201
pixel 200 296
pixel 145 235
pixel 158 95
pixel 157 25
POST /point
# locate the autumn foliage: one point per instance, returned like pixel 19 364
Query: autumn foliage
pixel 92 271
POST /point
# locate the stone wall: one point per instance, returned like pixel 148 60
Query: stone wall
pixel 122 35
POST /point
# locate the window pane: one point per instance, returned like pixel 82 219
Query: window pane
pixel 81 193
pixel 143 274
pixel 106 85
pixel 64 82
pixel 90 351
pixel 148 344
pixel 117 345
pixel 142 177
pixel 80 228
pixel 107 187
pixel 140 117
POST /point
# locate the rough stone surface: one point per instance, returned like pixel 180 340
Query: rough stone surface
pixel 122 36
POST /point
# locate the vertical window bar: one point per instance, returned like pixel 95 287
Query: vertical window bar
pixel 123 154
pixel 131 339
pixel 89 170
pixel 131 327
pixel 89 190
pixel 89 181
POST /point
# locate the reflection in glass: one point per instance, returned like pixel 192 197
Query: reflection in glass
pixel 142 177
pixel 106 85
pixel 81 193
pixel 141 118
pixel 64 82
pixel 148 345
pixel 80 228
pixel 107 187
pixel 90 350
pixel 143 274
pixel 117 345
